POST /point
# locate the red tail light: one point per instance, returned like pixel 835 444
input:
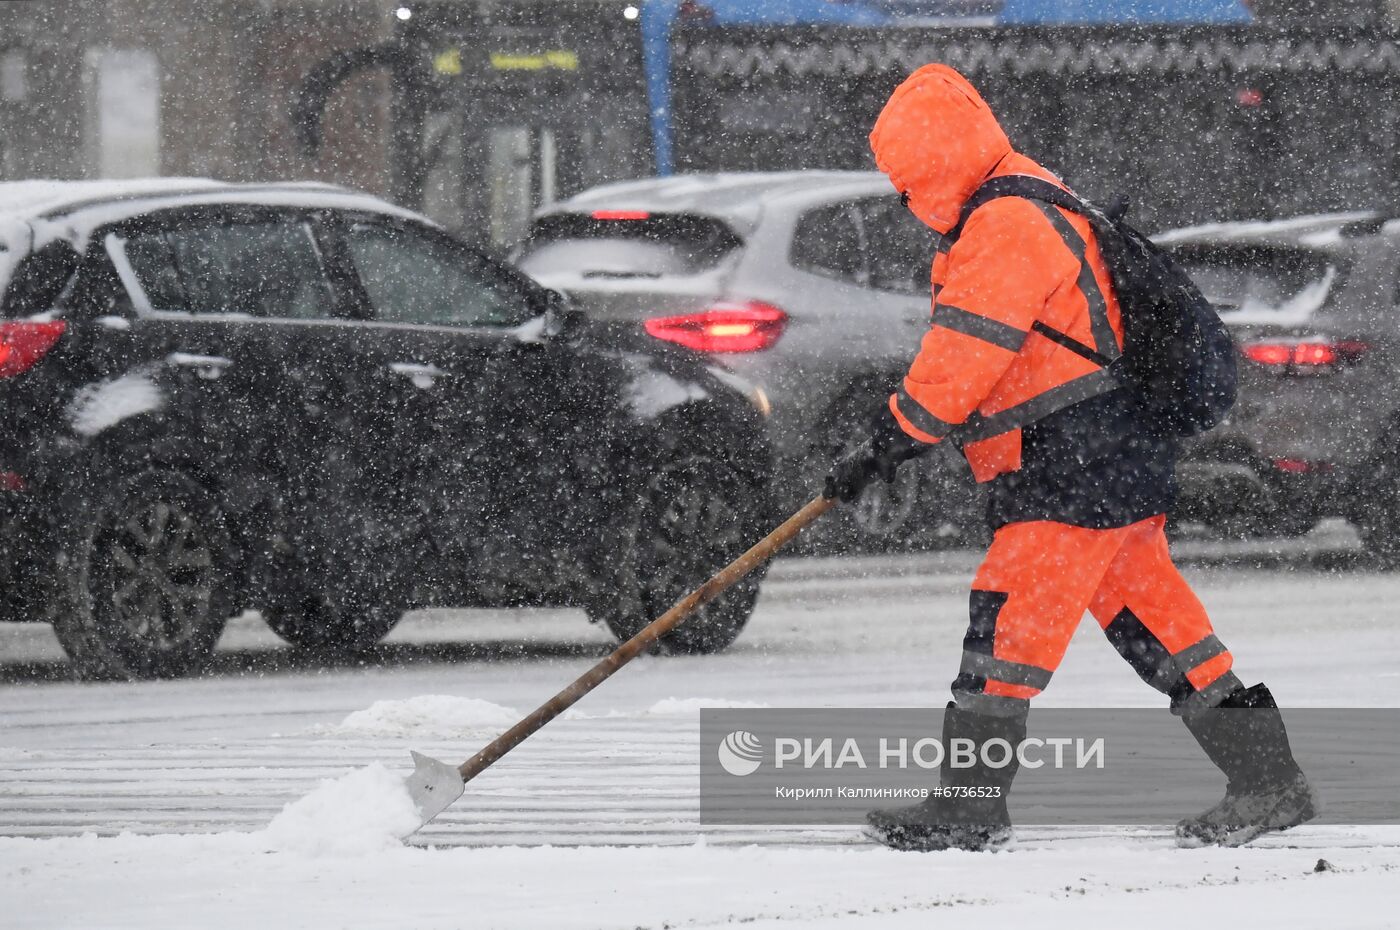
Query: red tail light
pixel 1249 97
pixel 1306 357
pixel 23 344
pixel 749 326
pixel 621 215
pixel 1301 466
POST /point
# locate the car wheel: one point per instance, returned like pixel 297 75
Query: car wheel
pixel 1379 518
pixel 884 508
pixel 879 517
pixel 146 589
pixel 345 584
pixel 326 624
pixel 692 517
pixel 1257 511
pixel 1283 521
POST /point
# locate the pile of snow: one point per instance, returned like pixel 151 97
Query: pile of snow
pixel 366 811
pixel 685 707
pixel 428 716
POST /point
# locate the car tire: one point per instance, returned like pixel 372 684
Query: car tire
pixel 326 625
pixel 877 519
pixel 344 583
pixel 692 516
pixel 1283 522
pixel 1379 520
pixel 1262 511
pixel 146 578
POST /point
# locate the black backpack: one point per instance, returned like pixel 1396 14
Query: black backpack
pixel 1178 358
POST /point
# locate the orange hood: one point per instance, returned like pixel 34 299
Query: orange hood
pixel 937 140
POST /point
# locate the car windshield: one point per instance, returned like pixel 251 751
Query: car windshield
pixel 1261 284
pixel 626 244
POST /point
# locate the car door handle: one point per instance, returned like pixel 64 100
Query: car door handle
pixel 208 367
pixel 422 376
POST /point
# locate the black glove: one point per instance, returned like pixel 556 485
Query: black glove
pixel 888 448
pixel 851 474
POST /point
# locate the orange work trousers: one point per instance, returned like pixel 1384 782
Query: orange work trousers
pixel 1033 588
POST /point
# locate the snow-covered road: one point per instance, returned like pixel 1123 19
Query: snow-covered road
pixel 220 756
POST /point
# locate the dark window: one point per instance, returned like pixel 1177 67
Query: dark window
pixel 39 279
pixel 900 247
pixel 411 276
pixel 261 269
pixel 97 290
pixel 827 241
pixel 1260 283
pixel 633 245
pixel 153 263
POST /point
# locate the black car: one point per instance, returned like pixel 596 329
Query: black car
pixel 306 401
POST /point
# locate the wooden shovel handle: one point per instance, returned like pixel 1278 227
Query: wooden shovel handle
pixel 756 556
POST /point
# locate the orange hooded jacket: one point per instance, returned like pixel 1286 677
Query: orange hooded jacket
pixel 985 368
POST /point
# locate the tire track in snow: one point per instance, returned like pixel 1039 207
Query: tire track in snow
pixel 595 781
pixel 544 795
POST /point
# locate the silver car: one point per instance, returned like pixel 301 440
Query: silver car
pixel 812 284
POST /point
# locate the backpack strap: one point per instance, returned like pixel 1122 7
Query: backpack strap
pixel 1019 185
pixel 1047 196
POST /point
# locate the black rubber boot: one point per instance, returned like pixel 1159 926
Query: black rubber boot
pixel 971 812
pixel 1266 790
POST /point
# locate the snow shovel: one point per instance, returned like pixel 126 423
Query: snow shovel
pixel 435 785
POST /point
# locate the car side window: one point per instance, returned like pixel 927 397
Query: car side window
pixel 900 247
pixel 153 264
pixel 411 276
pixel 827 241
pixel 269 269
pixel 38 279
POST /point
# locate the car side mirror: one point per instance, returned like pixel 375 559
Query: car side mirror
pixel 561 316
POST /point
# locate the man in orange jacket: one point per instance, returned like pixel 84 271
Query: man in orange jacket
pixel 1012 368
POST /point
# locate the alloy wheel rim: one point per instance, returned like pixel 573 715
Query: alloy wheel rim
pixel 695 533
pixel 883 508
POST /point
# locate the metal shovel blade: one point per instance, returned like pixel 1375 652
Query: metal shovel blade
pixel 433 786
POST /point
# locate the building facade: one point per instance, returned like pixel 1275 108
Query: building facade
pixel 476 111
pixel 123 88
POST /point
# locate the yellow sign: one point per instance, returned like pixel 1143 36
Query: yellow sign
pixel 559 60
pixel 448 62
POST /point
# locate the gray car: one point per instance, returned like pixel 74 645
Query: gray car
pixel 1312 303
pixel 812 284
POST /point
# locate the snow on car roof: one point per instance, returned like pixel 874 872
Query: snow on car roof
pixel 35 213
pixel 29 199
pixel 1290 228
pixel 71 201
pixel 735 196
